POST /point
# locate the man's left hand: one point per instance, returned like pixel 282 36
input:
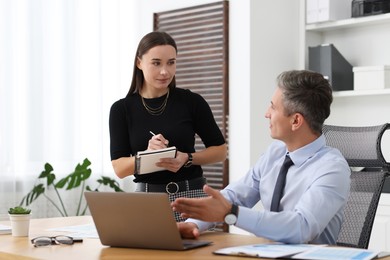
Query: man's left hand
pixel 212 208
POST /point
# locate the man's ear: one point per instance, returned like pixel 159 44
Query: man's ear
pixel 296 121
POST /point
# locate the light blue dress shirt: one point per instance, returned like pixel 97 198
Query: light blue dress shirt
pixel 317 188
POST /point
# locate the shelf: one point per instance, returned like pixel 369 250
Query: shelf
pixel 350 23
pixel 362 93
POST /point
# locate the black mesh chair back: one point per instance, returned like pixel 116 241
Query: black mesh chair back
pixel 361 147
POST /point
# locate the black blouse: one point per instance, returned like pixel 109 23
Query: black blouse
pixel 185 115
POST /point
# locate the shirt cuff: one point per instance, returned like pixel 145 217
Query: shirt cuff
pixel 202 225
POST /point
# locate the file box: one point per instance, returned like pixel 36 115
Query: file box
pixel 328 61
pixel 370 7
pixel 371 77
pixel 327 10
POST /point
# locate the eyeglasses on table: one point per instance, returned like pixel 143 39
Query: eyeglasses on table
pixel 56 240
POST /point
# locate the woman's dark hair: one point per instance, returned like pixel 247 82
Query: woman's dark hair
pixel 307 93
pixel 149 41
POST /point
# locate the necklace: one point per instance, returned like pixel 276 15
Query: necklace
pixel 158 110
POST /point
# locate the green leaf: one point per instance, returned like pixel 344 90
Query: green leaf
pixel 33 194
pixel 47 173
pixel 74 179
pixel 107 181
pixel 61 183
pixel 19 210
pixel 90 189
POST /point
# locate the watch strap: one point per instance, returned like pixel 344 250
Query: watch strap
pixel 234 210
pixel 189 161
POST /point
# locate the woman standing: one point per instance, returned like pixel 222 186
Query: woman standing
pixel 156 114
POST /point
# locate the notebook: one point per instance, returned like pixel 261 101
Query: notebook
pixel 146 160
pixel 137 220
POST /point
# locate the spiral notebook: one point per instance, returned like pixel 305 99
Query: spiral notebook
pixel 146 160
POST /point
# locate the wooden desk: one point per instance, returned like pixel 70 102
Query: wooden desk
pixel 91 248
pixel 21 248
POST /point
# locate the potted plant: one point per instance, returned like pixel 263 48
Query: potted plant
pixel 20 220
pixel 77 179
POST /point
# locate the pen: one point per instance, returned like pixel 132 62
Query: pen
pixel 154 135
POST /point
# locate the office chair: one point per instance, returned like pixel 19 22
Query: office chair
pixel 361 147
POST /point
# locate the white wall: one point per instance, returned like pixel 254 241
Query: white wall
pixel 239 88
pixel 274 48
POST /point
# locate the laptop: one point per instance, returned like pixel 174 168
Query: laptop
pixel 137 220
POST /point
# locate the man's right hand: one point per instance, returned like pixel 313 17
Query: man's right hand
pixel 188 229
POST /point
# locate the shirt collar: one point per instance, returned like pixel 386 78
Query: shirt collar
pixel 301 155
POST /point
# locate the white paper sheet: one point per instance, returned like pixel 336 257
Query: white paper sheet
pixel 82 231
pixel 265 250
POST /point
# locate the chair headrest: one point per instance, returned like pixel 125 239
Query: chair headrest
pixel 360 145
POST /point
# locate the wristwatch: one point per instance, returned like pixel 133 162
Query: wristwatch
pixel 231 217
pixel 189 161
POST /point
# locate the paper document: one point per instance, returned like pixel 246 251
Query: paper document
pixel 146 160
pixel 337 253
pixel 5 229
pixel 265 250
pixel 299 251
pixel 83 231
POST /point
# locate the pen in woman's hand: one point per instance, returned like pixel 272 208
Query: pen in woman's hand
pixel 165 143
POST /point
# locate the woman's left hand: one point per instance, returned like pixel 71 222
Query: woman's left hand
pixel 174 164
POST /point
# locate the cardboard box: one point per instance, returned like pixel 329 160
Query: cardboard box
pixel 371 77
pixel 327 10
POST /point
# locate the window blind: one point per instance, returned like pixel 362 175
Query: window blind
pixel 201 35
